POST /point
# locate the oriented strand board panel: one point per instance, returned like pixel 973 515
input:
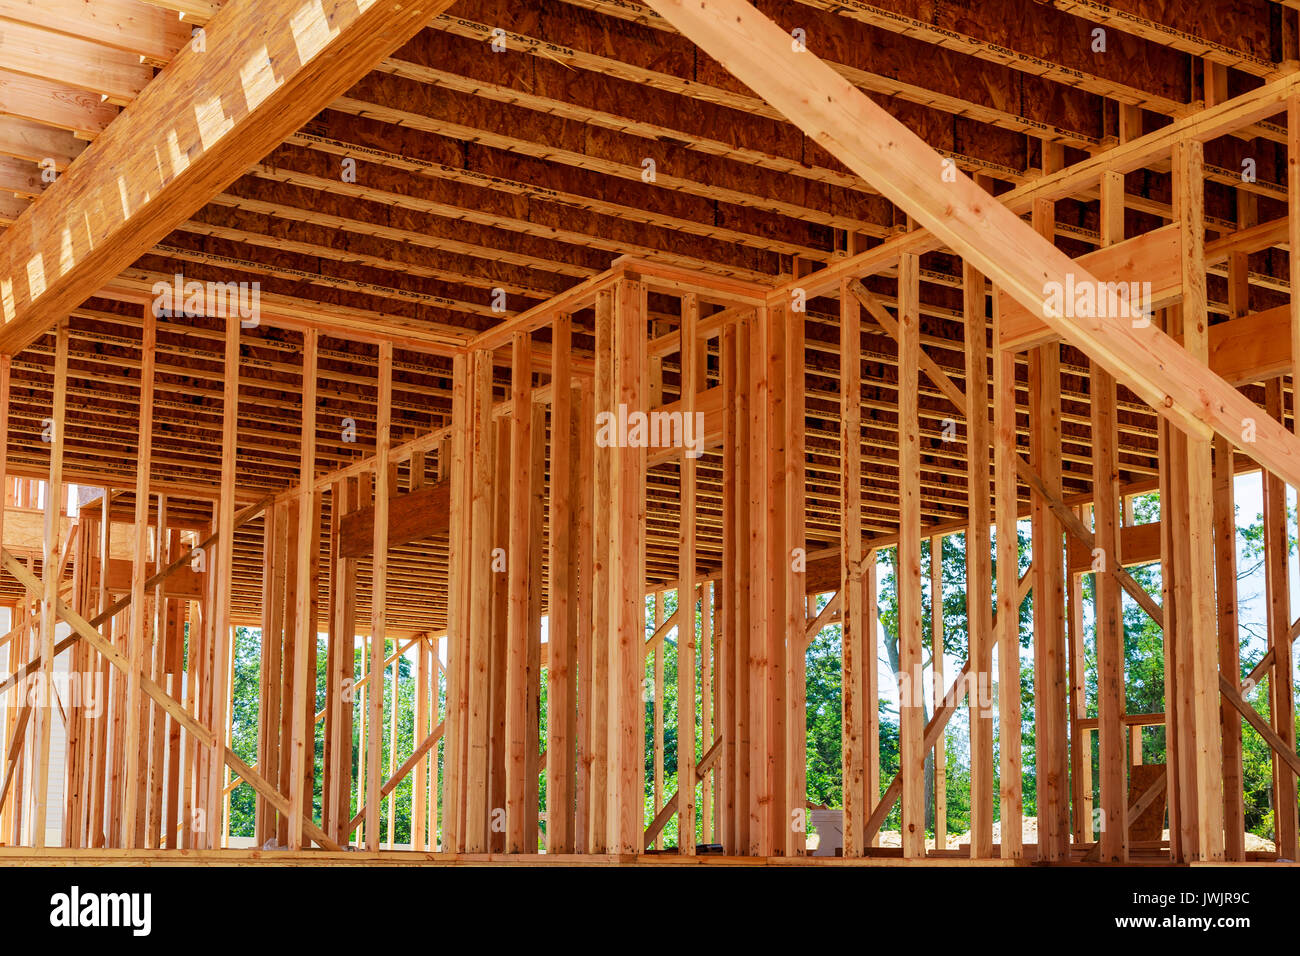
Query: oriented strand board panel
pixel 1151 821
pixel 24 529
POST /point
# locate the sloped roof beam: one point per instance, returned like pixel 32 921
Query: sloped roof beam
pixel 260 70
pixel 973 224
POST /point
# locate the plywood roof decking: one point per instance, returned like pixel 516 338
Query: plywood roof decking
pixel 522 171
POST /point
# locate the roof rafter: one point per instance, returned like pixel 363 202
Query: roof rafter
pixel 267 67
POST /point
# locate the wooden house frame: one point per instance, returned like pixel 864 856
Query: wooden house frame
pixel 455 333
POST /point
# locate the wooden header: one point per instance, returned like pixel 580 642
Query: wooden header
pixel 412 516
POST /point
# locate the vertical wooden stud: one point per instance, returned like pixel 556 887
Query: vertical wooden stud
pixel 302 755
pixel 911 707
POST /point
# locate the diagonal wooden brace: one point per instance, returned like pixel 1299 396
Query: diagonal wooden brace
pixel 203 735
pixel 1076 528
pixel 981 229
pixel 400 773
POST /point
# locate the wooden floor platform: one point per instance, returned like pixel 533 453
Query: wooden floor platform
pixel 55 856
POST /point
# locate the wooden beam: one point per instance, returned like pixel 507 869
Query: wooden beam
pixel 1281 682
pixel 1225 560
pixel 1173 580
pixel 379 593
pixel 477 692
pixel 627 576
pixel 460 581
pixel 74 60
pixel 54 496
pixel 518 733
pixel 534 753
pixel 43 101
pixel 1045 438
pixel 1007 630
pixel 853 620
pixel 393 699
pixel 959 214
pixel 413 516
pixel 775 558
pixel 114 656
pixel 1278 605
pixel 1188 163
pixel 341 666
pixel 222 572
pixel 943 711
pixel 267 67
pixel 583 481
pixel 670 805
pixel 823 619
pixel 688 591
pixel 499 634
pixel 139 618
pixel 596 568
pixel 911 704
pixel 940 751
pixel 275 564
pixel 425 688
pixel 756 799
pixel 1081 776
pixel 302 755
pixel 1284 752
pixel 657 693
pixel 562 635
pixel 793 562
pixel 1075 527
pixel 732 630
pixel 128 25
pixel 13 753
pixel 708 705
pixel 1108 600
pixel 398 775
pixel 979 565
pixel 869 689
pixel 165 624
